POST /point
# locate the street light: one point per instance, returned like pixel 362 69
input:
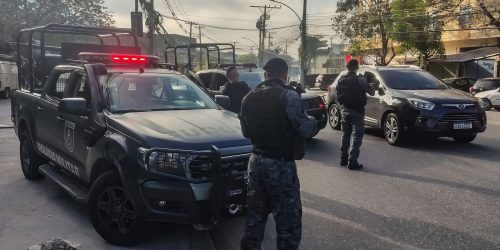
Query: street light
pixel 303 41
pixel 248 39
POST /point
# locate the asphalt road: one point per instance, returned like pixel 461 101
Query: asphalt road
pixel 430 194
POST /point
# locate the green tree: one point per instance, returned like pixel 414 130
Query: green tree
pixel 419 33
pixel 313 44
pixel 247 58
pixel 18 14
pixel 368 24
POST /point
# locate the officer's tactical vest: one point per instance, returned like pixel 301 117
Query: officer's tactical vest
pixel 350 93
pixel 269 128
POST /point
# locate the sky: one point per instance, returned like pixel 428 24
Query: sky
pixel 237 14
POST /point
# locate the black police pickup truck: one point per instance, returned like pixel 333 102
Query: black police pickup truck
pixel 137 142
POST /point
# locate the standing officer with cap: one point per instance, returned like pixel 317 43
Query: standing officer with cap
pixel 272 116
pixel 351 95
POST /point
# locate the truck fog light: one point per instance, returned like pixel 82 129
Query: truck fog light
pixel 162 203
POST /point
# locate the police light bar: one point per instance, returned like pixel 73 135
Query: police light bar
pixel 119 59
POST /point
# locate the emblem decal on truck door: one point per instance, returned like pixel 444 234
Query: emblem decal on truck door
pixel 69 135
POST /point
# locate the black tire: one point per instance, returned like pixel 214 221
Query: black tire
pixel 488 103
pixel 334 117
pixel 465 137
pixel 112 213
pixel 393 129
pixel 30 161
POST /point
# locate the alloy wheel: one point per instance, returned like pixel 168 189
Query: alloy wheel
pixel 115 210
pixel 391 129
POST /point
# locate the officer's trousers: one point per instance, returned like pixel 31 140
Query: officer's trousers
pixel 353 127
pixel 273 188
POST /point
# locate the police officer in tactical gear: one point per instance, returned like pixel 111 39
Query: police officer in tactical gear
pixel 234 89
pixel 351 95
pixel 272 116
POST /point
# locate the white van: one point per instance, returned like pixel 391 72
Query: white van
pixel 8 78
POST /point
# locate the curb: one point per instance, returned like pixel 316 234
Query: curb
pixel 6 126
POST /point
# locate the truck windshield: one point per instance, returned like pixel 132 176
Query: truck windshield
pixel 153 92
pixel 411 80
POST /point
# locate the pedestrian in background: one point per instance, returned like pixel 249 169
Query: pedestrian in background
pixel 351 95
pixel 272 116
pixel 234 89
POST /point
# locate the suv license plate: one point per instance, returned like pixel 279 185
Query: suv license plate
pixel 463 125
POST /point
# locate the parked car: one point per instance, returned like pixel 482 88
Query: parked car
pixel 485 84
pixel 214 79
pixel 324 80
pixel 461 83
pixel 410 99
pixel 491 98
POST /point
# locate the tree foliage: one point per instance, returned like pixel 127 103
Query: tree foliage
pixel 18 14
pixel 419 33
pixel 313 44
pixel 369 25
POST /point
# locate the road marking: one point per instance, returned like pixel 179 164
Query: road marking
pixel 357 227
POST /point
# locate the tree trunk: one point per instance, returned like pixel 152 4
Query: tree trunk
pixel 493 21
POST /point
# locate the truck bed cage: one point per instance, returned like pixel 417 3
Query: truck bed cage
pixel 209 47
pixel 27 70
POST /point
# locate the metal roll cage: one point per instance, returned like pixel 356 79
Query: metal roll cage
pixel 99 32
pixel 209 47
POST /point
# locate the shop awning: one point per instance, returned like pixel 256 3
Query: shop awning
pixel 472 55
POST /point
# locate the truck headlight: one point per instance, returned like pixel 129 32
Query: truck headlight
pixel 164 162
pixel 421 104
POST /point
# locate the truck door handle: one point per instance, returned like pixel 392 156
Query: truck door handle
pixel 60 118
pixel 39 108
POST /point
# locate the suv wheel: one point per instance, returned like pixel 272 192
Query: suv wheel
pixel 465 137
pixel 393 129
pixel 488 103
pixel 112 212
pixel 30 161
pixel 334 116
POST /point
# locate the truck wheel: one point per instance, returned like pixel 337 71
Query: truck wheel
pixel 465 137
pixel 30 161
pixel 393 129
pixel 334 117
pixel 112 213
pixel 5 93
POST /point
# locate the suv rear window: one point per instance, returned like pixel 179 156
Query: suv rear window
pixel 411 80
pixel 487 84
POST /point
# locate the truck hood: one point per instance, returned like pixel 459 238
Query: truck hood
pixel 438 96
pixel 182 129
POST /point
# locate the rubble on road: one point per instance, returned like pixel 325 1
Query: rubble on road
pixel 56 244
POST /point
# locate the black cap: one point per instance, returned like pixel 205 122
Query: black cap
pixel 276 65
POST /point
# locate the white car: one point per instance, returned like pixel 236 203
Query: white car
pixel 491 97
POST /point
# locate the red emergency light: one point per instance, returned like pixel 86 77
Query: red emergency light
pixel 119 59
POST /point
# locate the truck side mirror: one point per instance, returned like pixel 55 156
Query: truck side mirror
pixel 73 106
pixel 223 101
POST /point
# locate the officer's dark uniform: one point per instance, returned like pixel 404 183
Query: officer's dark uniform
pixel 235 91
pixel 273 118
pixel 351 95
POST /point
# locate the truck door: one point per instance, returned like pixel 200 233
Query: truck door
pixel 48 124
pixel 77 129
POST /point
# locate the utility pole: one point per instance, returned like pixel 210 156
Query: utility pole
pixel 286 48
pixel 262 33
pixel 269 42
pixel 190 31
pixel 303 59
pixel 152 29
pixel 201 52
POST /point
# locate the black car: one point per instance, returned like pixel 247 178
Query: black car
pixel 461 83
pixel 214 79
pixel 410 99
pixel 485 84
